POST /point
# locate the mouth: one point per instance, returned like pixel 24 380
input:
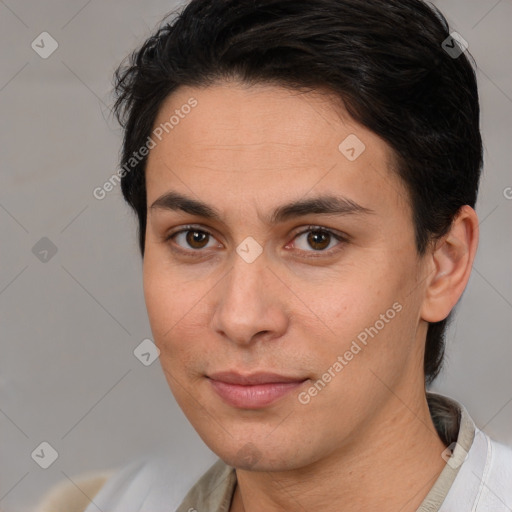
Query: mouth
pixel 253 391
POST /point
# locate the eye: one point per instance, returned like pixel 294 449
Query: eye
pixel 191 238
pixel 319 239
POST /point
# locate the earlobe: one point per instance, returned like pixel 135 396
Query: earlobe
pixel 451 261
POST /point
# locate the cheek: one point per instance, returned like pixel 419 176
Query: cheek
pixel 166 301
pixel 349 302
pixel 167 308
pixel 160 300
pixel 176 313
pixel 370 315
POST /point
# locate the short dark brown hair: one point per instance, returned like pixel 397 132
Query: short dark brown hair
pixel 387 61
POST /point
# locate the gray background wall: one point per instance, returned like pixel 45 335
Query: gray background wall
pixel 70 324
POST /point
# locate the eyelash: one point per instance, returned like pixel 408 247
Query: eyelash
pixel 197 252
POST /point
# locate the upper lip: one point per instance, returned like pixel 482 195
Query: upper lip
pixel 230 377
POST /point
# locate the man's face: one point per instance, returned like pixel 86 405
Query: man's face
pixel 329 303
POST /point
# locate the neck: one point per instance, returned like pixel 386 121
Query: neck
pixel 389 465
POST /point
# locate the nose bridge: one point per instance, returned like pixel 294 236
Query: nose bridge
pixel 247 305
pixel 248 272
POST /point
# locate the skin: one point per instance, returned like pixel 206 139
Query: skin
pixel 366 440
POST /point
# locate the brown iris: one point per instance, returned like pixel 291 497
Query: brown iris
pixel 196 237
pixel 318 240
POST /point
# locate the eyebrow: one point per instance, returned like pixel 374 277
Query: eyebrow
pixel 327 205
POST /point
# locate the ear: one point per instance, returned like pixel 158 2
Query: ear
pixel 450 265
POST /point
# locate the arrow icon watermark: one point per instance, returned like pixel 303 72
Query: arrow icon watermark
pixel 44 45
pixel 45 455
pixel 249 249
pixel 351 147
pixel 146 352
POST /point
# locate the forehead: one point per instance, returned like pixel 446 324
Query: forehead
pixel 267 140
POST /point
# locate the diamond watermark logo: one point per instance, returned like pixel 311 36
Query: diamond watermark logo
pixel 44 45
pixel 352 147
pixel 44 250
pixel 454 45
pixel 146 352
pixel 45 455
pixel 249 454
pixel 249 249
pixel 454 455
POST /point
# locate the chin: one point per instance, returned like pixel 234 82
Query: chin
pixel 251 457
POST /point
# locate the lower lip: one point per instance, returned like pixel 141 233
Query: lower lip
pixel 253 397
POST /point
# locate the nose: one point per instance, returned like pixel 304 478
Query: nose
pixel 250 304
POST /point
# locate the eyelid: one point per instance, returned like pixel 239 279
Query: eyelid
pixel 315 227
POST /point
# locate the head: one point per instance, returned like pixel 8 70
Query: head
pixel 326 158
